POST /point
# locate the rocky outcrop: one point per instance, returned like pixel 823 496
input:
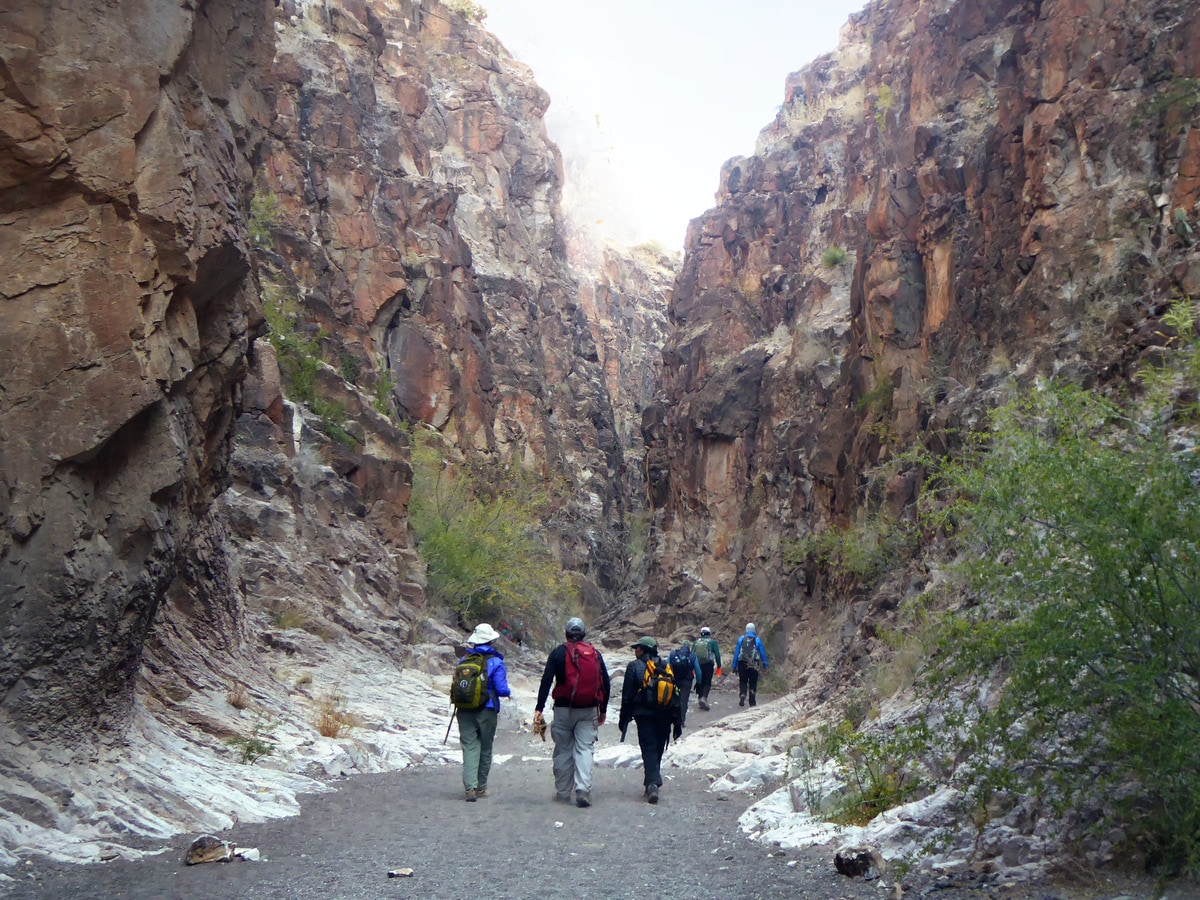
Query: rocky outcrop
pixel 127 136
pixel 418 226
pixel 960 199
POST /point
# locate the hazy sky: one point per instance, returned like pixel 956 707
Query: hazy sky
pixel 650 97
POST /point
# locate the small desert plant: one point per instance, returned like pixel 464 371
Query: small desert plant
pixel 333 720
pixel 833 256
pixel 472 12
pixel 288 617
pixel 254 746
pixel 238 696
pixel 264 213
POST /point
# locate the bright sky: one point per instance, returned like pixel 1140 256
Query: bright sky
pixel 650 97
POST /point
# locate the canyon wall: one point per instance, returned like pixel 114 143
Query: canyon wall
pixel 964 197
pixel 127 145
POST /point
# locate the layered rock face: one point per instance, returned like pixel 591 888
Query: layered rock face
pixel 418 226
pixel 962 198
pixel 126 139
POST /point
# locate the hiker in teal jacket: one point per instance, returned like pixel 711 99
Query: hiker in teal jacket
pixel 748 655
pixel 708 657
pixel 477 728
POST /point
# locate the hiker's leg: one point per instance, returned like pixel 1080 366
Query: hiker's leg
pixel 585 742
pixel 563 733
pixel 685 691
pixel 743 677
pixel 651 746
pixel 753 686
pixel 487 737
pixel 468 736
pixel 706 677
pixel 663 724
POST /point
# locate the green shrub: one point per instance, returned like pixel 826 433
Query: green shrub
pixel 859 555
pixel 382 401
pixel 833 257
pixel 254 746
pixel 480 531
pixel 880 771
pixel 1082 532
pixel 264 213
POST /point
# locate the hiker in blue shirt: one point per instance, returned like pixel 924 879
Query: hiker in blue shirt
pixel 477 728
pixel 748 655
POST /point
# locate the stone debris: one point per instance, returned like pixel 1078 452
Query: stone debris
pixel 858 861
pixel 248 854
pixel 401 873
pixel 208 849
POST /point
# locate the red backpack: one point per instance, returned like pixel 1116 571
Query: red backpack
pixel 582 687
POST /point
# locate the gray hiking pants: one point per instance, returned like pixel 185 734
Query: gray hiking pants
pixel 574 733
pixel 476 734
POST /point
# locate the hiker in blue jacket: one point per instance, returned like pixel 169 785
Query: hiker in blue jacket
pixel 748 655
pixel 477 728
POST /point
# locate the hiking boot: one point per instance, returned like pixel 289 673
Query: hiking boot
pixel 470 792
pixel 652 794
pixel 562 798
pixel 481 792
pixel 582 799
pixel 742 700
pixel 704 705
pixel 752 700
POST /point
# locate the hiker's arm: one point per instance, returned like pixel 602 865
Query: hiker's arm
pixel 762 651
pixel 696 667
pixel 716 650
pixel 737 649
pixel 499 678
pixel 606 686
pixel 548 678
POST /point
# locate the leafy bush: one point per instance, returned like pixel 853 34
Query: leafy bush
pixel 859 555
pixel 881 771
pixel 480 533
pixel 1082 530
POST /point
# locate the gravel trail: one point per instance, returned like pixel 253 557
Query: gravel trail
pixel 516 843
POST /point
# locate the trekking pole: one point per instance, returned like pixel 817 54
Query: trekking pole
pixel 451 725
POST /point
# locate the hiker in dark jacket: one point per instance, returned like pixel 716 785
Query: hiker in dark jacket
pixel 709 656
pixel 655 724
pixel 477 728
pixel 687 671
pixel 581 690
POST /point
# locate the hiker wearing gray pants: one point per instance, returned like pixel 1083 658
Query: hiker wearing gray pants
pixel 580 691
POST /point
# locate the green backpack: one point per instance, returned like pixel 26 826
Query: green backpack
pixel 703 650
pixel 469 687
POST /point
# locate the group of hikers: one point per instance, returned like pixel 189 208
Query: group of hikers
pixel 654 696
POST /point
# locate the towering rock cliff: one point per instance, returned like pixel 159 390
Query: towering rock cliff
pixel 193 563
pixel 419 226
pixel 960 199
pixel 127 140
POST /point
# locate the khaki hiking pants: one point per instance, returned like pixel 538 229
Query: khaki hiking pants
pixel 574 732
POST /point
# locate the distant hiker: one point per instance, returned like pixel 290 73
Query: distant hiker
pixel 480 680
pixel 708 656
pixel 748 656
pixel 581 691
pixel 650 698
pixel 687 673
